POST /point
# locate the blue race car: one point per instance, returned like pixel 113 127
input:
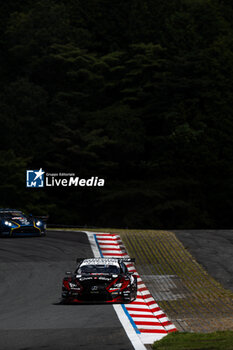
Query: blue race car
pixel 15 223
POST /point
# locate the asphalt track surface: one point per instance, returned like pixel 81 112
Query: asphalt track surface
pixel 31 318
pixel 213 249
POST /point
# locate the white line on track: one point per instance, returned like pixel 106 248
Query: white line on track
pixel 132 335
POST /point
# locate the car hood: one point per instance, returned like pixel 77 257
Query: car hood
pixel 22 221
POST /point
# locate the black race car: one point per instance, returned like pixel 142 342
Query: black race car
pixel 15 223
pixel 100 280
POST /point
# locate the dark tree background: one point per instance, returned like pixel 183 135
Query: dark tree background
pixel 137 92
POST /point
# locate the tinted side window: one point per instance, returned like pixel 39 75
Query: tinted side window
pixel 124 268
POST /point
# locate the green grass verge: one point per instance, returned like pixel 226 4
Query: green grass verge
pixel 196 341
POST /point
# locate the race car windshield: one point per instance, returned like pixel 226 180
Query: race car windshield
pixel 108 269
pixel 11 214
pixel 17 214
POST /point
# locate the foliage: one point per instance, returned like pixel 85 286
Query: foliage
pixel 137 92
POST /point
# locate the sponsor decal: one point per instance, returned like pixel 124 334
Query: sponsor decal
pixel 100 262
pixel 115 293
pixel 22 220
pixel 40 178
pixel 104 278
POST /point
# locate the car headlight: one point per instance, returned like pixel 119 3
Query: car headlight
pixel 72 285
pixel 75 285
pixel 115 286
pixel 8 223
pixel 38 223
